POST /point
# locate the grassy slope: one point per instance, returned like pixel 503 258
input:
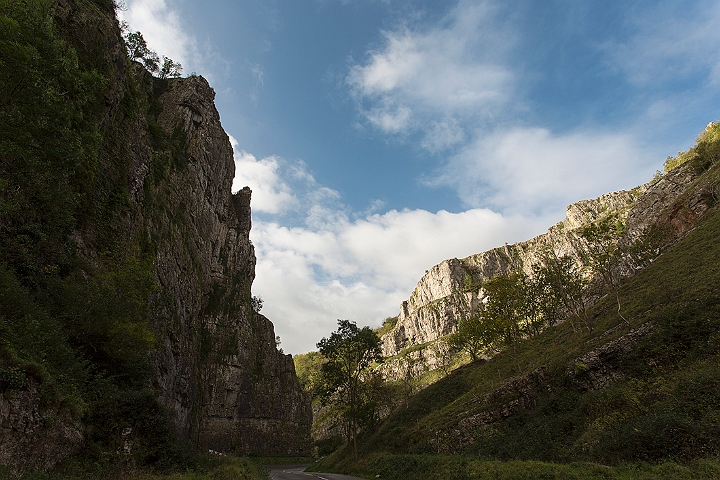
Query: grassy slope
pixel 666 409
pixel 204 467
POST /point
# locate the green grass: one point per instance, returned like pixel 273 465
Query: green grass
pixel 665 411
pixel 456 467
pixel 199 467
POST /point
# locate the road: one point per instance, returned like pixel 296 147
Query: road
pixel 295 472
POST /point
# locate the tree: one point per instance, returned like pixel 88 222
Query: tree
pixel 475 335
pixel 138 50
pixel 346 380
pixel 170 68
pixel 508 303
pixel 563 288
pixel 603 253
pixel 256 303
pixel 501 318
pixel 443 350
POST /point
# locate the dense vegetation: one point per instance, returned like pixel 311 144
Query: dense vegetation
pixel 538 411
pixel 78 327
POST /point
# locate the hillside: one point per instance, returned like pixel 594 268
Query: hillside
pixel 128 333
pixel 451 290
pixel 619 395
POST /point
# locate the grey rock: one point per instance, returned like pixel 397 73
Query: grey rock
pixel 220 374
pixel 441 298
pixel 599 368
pixel 32 434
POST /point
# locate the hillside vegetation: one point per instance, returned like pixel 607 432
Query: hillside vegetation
pixel 627 401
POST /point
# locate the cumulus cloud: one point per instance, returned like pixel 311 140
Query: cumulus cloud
pixel 284 189
pixel 270 193
pixel 533 170
pixel 454 68
pixel 317 261
pixel 362 269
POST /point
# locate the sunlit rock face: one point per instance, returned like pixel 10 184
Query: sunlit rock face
pixel 450 290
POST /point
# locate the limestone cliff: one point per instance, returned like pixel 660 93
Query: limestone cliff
pixel 442 296
pixel 219 372
pixel 156 230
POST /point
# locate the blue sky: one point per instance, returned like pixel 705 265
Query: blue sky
pixel 381 137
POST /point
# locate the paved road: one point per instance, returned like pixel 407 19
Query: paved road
pixel 295 472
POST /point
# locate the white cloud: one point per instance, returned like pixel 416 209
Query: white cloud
pixel 443 134
pixel 284 188
pixel 455 68
pixel 270 193
pixel 672 41
pixel 335 264
pixel 389 118
pixel 361 270
pixel 534 170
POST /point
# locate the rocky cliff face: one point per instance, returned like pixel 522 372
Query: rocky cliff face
pixel 448 291
pixel 219 372
pixel 161 193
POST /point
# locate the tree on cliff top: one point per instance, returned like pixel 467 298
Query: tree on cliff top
pixel 138 49
pixel 346 380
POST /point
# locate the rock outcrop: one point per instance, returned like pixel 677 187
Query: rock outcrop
pixel 599 368
pixel 449 291
pixel 226 385
pixel 32 434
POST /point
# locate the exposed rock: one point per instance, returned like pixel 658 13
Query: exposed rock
pixel 599 368
pixel 449 291
pixel 226 385
pixel 514 396
pixel 217 369
pixel 32 434
pixel 595 370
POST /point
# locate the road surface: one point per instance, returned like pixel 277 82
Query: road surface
pixel 295 472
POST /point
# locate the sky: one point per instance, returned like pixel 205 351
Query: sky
pixel 380 137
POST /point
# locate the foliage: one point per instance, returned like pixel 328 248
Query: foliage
pixel 49 108
pixel 469 284
pixel 308 368
pixel 388 324
pixel 603 253
pixel 562 290
pixel 443 467
pixel 256 303
pixel 138 50
pixel 704 154
pixel 475 335
pixel 347 381
pixel 78 328
pixel 170 68
pixel 516 305
pixel 194 467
